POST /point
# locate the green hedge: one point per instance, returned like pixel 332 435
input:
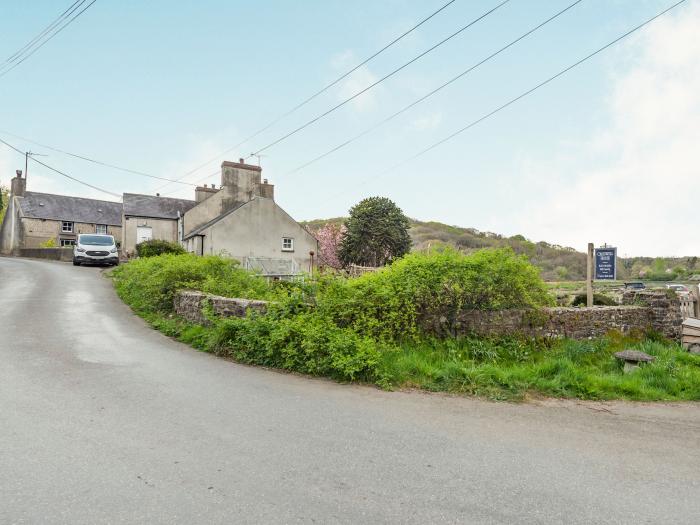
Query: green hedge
pixel 156 247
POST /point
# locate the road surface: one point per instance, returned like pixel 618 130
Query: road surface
pixel 103 420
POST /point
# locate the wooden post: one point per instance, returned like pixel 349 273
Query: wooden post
pixel 695 294
pixel 589 276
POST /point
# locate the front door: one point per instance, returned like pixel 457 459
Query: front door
pixel 143 233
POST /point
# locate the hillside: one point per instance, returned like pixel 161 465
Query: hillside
pixel 558 263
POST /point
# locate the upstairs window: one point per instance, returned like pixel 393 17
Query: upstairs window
pixel 67 227
pixel 101 229
pixel 287 244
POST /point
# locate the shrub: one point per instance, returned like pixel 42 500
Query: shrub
pixel 157 247
pixel 48 243
pixel 418 291
pixel 599 299
pixel 304 343
pixel 149 284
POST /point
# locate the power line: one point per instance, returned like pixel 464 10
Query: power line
pixel 196 183
pixel 519 97
pixel 94 161
pixel 53 24
pixel 29 53
pixel 323 90
pixel 434 91
pixel 385 77
pixel 62 173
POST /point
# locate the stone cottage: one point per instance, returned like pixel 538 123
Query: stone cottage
pixel 33 219
pixel 242 220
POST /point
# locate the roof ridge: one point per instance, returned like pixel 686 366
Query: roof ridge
pixel 71 197
pixel 158 197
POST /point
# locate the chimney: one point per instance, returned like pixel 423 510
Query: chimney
pixel 267 190
pixel 202 193
pixel 18 185
pixel 240 182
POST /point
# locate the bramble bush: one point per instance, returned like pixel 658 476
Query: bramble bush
pixel 156 247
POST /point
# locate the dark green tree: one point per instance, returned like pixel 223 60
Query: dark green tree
pixel 377 233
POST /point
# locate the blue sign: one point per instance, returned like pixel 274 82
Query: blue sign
pixel 605 264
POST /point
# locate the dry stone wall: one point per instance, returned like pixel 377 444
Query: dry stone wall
pixel 642 311
pixel 191 304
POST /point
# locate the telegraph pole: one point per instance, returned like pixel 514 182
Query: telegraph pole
pixel 28 154
pixel 589 276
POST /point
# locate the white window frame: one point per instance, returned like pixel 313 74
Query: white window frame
pixel 287 244
pixel 67 227
pixel 66 242
pixel 101 229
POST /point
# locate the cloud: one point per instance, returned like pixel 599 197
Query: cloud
pixel 355 82
pixel 636 183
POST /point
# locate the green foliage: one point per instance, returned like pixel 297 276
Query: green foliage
pixel 407 298
pixel 377 328
pixel 377 233
pixel 304 343
pixel 48 243
pixel 599 299
pixel 4 201
pixel 149 284
pixel 156 247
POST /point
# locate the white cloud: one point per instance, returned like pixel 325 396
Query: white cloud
pixel 355 82
pixel 645 195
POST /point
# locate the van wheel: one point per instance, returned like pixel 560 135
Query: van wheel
pixel 75 263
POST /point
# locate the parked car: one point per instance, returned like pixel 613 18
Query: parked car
pixel 680 289
pixel 95 249
pixel 635 286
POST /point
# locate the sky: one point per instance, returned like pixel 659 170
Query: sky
pixel 607 153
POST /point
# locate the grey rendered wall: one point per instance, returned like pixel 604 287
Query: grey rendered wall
pixel 256 230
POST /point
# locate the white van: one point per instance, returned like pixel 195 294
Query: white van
pixel 95 249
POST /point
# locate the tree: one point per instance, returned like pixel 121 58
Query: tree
pixel 4 201
pixel 329 237
pixel 377 233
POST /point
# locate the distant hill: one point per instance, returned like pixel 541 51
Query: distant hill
pixel 557 263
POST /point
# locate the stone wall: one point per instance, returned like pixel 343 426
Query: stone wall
pixel 574 323
pixel 643 310
pixel 53 254
pixel 190 305
pixel 665 308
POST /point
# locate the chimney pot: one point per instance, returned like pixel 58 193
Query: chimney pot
pixel 213 186
pixel 205 185
pixel 241 160
pixel 264 181
pixel 18 173
pixel 157 194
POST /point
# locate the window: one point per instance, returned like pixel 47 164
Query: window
pixel 67 227
pixel 287 244
pixel 101 229
pixel 67 242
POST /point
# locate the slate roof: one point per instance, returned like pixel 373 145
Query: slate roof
pixel 75 209
pixel 137 205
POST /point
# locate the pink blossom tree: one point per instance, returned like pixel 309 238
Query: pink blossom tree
pixel 329 237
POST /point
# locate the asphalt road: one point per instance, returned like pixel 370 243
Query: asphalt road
pixel 103 420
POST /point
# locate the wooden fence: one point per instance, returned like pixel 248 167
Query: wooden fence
pixel 689 306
